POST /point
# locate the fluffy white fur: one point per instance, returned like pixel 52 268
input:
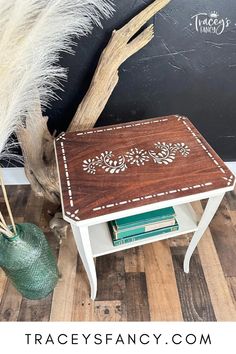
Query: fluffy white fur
pixel 32 35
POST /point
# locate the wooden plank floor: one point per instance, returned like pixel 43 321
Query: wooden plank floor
pixel 141 284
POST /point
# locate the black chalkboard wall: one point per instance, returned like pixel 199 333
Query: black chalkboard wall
pixel 189 68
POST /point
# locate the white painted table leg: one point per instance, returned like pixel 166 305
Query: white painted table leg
pixel 210 210
pixel 82 240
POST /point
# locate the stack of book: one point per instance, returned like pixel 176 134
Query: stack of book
pixel 137 227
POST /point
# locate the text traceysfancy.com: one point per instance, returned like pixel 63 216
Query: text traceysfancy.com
pixel 117 339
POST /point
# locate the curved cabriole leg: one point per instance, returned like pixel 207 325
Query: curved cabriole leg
pixel 210 210
pixel 82 240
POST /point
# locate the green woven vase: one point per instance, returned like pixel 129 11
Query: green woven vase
pixel 28 261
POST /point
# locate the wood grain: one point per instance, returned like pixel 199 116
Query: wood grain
pixel 136 297
pixel 10 304
pixel 180 241
pixel 3 282
pixel 224 236
pixel 62 304
pixel 134 260
pixel 221 299
pixel 111 270
pixel 35 310
pixel 163 296
pixel 83 306
pixel 110 311
pixel 231 281
pixel 194 296
pixel 92 195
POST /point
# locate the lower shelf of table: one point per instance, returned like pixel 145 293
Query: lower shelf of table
pixel 101 239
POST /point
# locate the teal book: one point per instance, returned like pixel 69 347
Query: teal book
pixel 145 235
pixel 117 235
pixel 140 223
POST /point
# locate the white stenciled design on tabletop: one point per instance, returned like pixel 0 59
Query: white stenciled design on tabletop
pixel 137 157
pixel 211 22
pixel 105 161
pixel 168 151
pixel 164 153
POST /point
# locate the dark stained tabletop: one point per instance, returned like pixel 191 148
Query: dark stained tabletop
pixel 113 168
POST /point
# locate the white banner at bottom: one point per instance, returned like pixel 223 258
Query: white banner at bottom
pixel 117 337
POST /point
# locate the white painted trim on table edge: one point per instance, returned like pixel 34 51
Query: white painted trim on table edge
pixel 146 207
pixel 16 175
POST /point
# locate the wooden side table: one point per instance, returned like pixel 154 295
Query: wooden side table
pixel 121 170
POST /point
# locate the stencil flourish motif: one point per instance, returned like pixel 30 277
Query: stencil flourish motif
pixel 164 153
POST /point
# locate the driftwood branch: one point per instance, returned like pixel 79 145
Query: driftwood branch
pixel 35 139
pixel 39 157
pixel 120 47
